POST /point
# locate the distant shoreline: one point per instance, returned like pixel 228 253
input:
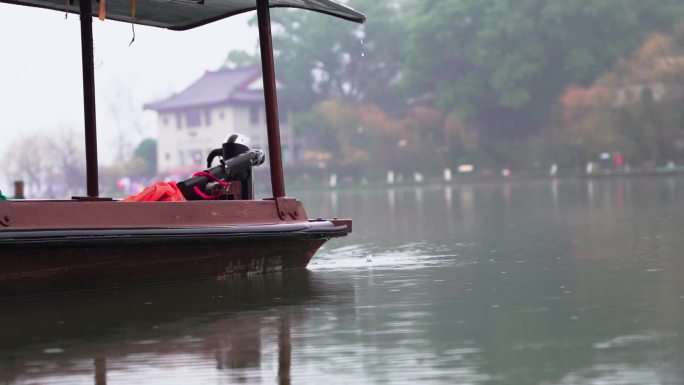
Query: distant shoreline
pixel 482 179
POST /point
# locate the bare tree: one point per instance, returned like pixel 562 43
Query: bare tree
pixel 50 168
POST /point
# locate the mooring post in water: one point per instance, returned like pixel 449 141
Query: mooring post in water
pixel 85 9
pixel 100 371
pixel 284 351
pixel 19 190
pixel 271 99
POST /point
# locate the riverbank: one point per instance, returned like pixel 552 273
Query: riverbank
pixel 299 184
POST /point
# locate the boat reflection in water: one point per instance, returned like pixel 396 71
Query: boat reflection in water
pixel 235 330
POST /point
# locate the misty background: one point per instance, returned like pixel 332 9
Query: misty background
pixel 495 88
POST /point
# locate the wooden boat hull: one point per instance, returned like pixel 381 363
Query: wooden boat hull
pixel 48 260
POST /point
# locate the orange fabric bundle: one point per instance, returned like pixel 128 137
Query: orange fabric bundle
pixel 158 192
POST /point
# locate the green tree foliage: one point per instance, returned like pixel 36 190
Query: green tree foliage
pixel 497 83
pixel 503 63
pixel 144 161
pixel 320 57
pixel 240 59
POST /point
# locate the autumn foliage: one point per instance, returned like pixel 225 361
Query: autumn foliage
pixel 365 139
pixel 634 109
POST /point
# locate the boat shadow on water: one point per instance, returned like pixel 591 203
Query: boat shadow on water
pixel 232 325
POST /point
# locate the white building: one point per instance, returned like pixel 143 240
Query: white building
pixel 198 119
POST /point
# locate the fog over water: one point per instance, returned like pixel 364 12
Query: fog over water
pixel 534 282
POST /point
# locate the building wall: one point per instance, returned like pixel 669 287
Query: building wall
pixel 181 146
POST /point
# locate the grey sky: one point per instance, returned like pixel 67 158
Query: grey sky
pixel 40 71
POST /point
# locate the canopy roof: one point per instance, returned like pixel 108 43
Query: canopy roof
pixel 186 14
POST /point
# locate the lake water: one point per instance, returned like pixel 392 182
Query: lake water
pixel 535 282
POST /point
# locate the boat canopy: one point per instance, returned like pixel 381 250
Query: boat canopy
pixel 182 15
pixel 187 14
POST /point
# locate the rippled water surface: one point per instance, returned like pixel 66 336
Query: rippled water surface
pixel 537 282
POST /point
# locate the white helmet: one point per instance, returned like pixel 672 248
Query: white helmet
pixel 235 145
pixel 239 139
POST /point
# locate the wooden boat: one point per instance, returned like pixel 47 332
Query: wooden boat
pixel 94 242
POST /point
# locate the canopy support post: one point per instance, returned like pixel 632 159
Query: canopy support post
pixel 271 99
pixel 85 8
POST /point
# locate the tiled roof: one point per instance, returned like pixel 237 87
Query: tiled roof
pixel 214 87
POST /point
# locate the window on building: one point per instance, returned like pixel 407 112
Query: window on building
pixel 221 115
pixel 168 156
pixel 254 114
pixel 165 120
pixel 196 156
pixel 207 117
pixel 179 125
pixel 193 118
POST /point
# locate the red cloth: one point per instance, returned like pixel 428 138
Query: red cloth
pixel 158 192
